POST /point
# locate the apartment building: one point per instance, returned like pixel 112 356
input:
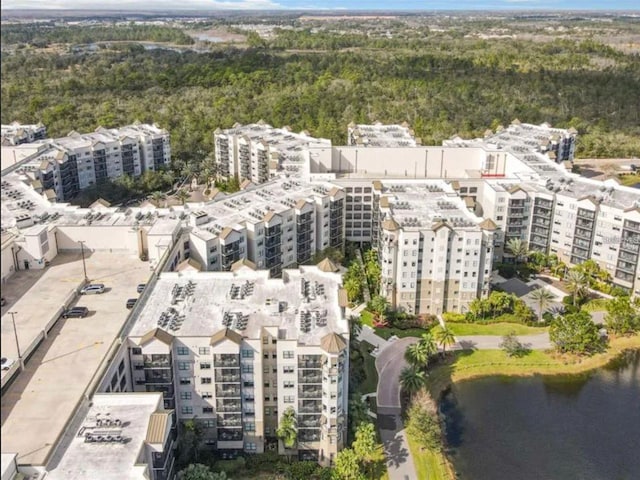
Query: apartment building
pixel 259 152
pixel 234 350
pixel 380 135
pixel 276 225
pixel 124 435
pixel 67 165
pixel 435 254
pixel 17 134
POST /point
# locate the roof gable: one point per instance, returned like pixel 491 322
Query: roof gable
pixel 225 334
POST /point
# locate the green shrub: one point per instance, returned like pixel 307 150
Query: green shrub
pixel 454 317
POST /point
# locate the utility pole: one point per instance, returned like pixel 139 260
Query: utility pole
pixel 15 332
pixel 84 266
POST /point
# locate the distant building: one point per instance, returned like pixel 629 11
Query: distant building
pixel 16 134
pixel 70 164
pixel 380 135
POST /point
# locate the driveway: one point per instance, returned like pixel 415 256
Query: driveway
pixel 389 364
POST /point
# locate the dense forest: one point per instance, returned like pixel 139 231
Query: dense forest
pixel 44 34
pixel 322 81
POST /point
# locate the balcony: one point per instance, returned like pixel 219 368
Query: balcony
pixel 308 435
pixel 305 379
pixel 227 377
pixel 229 435
pixel 227 406
pixel 303 363
pixel 227 392
pixel 226 361
pixel 313 393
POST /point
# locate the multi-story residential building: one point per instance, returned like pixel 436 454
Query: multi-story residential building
pixel 276 225
pixel 235 350
pixel 124 435
pixel 17 134
pixel 435 254
pixel 258 152
pixel 380 135
pixel 77 161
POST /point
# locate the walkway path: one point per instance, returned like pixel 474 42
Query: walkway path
pixel 389 364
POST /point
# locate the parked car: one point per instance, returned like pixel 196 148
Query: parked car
pixel 131 302
pixel 141 287
pixel 6 363
pixel 92 288
pixel 75 312
pixel 3 302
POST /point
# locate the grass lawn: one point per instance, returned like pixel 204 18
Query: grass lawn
pixel 491 329
pixel 479 363
pixel 370 382
pixel 388 332
pixel 430 465
pixel 629 180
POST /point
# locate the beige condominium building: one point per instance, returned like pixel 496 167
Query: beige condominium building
pixel 17 134
pixel 235 350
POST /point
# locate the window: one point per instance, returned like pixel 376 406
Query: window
pixel 207 395
pixel 183 351
pixel 121 367
pixel 205 380
pixel 204 350
pixel 187 410
pixel 183 365
pixel 250 447
pixel 185 395
pixel 289 399
pixel 185 381
pixel 250 427
pixel 247 353
pixel 136 351
pixel 207 409
pixel 247 368
pixel 205 365
pixel 287 354
pixel 288 369
pixel 289 384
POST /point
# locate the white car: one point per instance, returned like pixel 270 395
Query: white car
pixel 92 288
pixel 6 363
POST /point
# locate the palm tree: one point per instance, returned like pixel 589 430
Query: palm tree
pixel 412 379
pixel 287 432
pixel 445 337
pixel 182 195
pixel 417 355
pixel 544 298
pixel 429 343
pixel 157 197
pixel 517 248
pixel 576 283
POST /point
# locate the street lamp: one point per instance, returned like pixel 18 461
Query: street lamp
pixel 84 266
pixel 15 332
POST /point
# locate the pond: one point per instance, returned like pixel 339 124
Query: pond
pixel 546 428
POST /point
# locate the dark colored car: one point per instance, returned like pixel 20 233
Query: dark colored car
pixel 131 302
pixel 141 287
pixel 75 312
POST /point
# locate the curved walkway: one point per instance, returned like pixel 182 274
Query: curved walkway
pixel 389 364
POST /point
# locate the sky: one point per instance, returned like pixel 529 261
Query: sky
pixel 327 4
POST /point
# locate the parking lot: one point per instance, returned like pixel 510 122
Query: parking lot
pixel 37 405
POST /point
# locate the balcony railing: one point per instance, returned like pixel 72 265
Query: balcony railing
pixel 229 407
pixel 228 392
pixel 228 378
pixel 309 364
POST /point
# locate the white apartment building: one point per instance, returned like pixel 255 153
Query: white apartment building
pixel 235 350
pixel 276 225
pixel 17 134
pixel 435 254
pixel 258 152
pixel 72 163
pixel 381 135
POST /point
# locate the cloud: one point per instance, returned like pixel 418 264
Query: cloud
pixel 135 5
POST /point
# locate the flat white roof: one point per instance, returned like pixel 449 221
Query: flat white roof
pixel 110 460
pixel 270 303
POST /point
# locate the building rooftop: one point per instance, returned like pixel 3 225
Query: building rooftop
pixel 421 204
pixel 303 304
pixel 112 460
pixel 379 135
